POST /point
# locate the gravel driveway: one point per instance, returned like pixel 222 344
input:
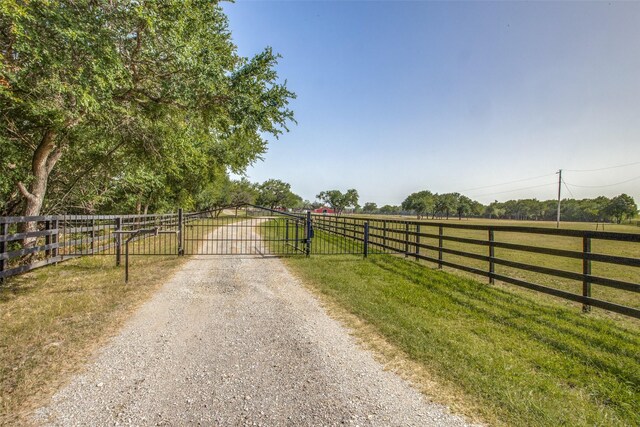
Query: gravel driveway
pixel 237 340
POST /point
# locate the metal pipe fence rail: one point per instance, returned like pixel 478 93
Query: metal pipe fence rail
pixel 27 243
pixel 550 261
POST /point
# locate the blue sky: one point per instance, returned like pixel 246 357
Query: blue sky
pixel 479 97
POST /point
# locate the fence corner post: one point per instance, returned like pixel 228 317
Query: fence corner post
pixel 586 271
pixel 180 227
pixel 366 239
pixel 118 241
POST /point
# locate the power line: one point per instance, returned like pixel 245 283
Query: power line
pixel 568 189
pixel 607 185
pixel 505 183
pixel 602 169
pixel 517 189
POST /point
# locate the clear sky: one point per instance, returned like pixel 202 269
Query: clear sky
pixel 396 97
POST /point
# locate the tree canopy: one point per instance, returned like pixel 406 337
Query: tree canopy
pixel 139 98
pixel 276 194
pixel 337 200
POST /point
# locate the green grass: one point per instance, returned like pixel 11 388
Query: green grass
pixel 607 247
pixel 515 359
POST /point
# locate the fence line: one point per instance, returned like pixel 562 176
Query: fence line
pixel 427 241
pixel 479 249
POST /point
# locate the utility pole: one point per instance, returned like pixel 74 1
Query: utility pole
pixel 559 187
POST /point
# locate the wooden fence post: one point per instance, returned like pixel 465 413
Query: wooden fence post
pixel 47 239
pixel 55 238
pixel 440 245
pixel 93 234
pixel 406 239
pixel 417 240
pixel 4 229
pixel 384 235
pixel 586 270
pixel 492 266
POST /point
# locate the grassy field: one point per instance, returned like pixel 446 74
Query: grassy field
pixel 503 357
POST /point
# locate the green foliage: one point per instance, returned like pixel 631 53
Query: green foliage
pixel 370 207
pixel 116 85
pixel 389 209
pixel 242 192
pixel 338 200
pixel 601 208
pixel 277 194
pixel 422 203
pixel 620 207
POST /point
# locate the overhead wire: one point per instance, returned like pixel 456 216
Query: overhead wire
pixel 566 185
pixel 511 191
pixel 506 183
pixel 607 185
pixel 568 189
pixel 602 169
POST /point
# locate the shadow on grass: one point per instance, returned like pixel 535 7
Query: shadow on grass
pixel 595 343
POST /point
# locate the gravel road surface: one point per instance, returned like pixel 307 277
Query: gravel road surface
pixel 236 340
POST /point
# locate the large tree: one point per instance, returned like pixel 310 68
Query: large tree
pixel 338 200
pixel 276 194
pixel 84 83
pixel 421 202
pixel 620 207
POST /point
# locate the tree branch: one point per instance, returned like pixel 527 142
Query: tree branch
pixel 25 192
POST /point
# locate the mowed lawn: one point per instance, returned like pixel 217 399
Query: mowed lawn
pixel 510 357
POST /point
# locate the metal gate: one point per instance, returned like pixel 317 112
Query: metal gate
pixel 247 230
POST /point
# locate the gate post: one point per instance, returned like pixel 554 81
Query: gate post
pixel 118 241
pixel 309 235
pixel 180 225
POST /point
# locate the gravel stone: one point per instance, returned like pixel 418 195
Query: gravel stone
pixel 237 340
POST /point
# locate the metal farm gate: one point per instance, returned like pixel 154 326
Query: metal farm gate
pixel 256 230
pixel 247 230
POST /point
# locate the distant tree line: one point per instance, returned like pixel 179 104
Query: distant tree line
pixel 601 209
pixel 425 204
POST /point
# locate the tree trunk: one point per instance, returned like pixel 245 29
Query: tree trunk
pixel 44 159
